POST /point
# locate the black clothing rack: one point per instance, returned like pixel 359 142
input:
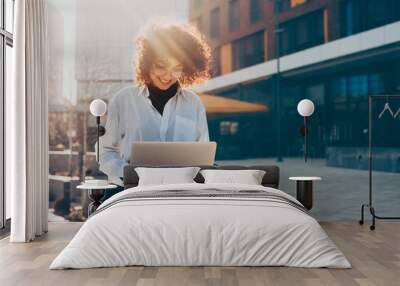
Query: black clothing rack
pixel 370 203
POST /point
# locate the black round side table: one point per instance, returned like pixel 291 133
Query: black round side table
pixel 304 190
pixel 95 193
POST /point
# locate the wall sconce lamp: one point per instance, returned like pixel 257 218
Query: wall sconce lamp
pixel 98 108
pixel 305 108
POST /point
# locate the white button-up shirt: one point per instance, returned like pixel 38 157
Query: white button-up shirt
pixel 132 117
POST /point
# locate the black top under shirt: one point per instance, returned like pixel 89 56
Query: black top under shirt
pixel 159 97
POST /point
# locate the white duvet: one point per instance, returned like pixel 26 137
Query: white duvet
pixel 200 231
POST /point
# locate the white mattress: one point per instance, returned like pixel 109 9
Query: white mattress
pixel 200 231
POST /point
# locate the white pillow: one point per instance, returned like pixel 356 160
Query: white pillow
pixel 249 177
pixel 164 176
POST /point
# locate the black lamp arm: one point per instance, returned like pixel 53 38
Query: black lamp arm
pixel 98 138
pixel 305 138
pixel 101 130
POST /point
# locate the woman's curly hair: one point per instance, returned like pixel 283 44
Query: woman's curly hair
pixel 180 41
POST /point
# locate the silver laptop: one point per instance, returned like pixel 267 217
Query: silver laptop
pixel 173 153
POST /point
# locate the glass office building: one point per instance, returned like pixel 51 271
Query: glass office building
pixel 338 85
pixel 340 121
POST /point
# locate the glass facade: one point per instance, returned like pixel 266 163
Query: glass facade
pixel 337 96
pixel 248 51
pixel 243 139
pixel 338 135
pixel 302 33
pixel 362 15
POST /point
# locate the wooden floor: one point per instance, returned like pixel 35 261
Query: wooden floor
pixel 375 257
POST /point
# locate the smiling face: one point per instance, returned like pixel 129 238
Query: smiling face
pixel 165 72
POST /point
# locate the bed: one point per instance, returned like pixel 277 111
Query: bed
pixel 198 224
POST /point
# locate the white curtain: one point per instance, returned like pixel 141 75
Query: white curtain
pixel 27 124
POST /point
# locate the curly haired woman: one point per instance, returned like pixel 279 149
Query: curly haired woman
pixel 160 107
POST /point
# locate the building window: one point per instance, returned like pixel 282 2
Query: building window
pixel 248 51
pixel 361 15
pixel 348 21
pixel 228 127
pixel 6 44
pixel 216 62
pixel 234 15
pixel 214 23
pixel 376 12
pixel 255 11
pixel 302 33
pixel 359 85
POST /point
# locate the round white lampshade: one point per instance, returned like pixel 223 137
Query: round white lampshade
pixel 305 107
pixel 98 107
